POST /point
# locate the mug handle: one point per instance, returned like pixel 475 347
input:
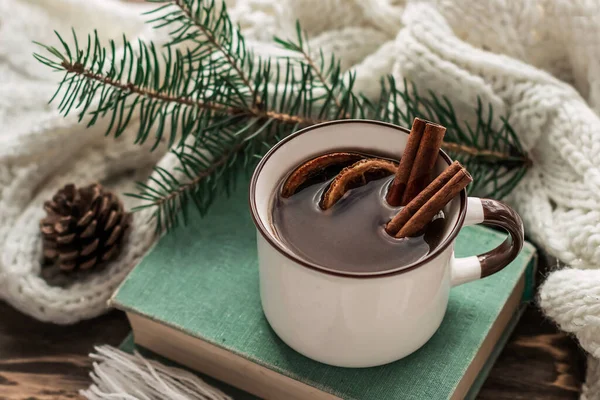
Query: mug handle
pixel 494 213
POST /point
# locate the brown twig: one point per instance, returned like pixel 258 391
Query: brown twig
pixel 79 69
pixel 473 151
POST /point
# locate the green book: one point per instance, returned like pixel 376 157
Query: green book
pixel 195 300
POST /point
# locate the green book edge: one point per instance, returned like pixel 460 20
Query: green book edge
pixel 526 299
pixel 128 345
pixel 489 364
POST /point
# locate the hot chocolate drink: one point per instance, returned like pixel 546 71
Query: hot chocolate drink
pixel 350 236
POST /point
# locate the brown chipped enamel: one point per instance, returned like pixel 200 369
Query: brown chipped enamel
pixel 357 174
pixel 317 169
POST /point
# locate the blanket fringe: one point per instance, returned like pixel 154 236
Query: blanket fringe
pixel 119 375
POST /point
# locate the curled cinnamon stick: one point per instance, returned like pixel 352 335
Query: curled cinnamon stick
pixel 421 210
pixel 398 186
pixel 420 173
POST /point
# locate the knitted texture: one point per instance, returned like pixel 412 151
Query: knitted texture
pixel 538 62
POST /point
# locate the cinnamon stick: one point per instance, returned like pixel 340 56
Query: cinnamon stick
pixel 420 173
pixel 396 190
pixel 411 208
pixel 421 210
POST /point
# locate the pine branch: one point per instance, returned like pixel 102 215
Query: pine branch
pixel 84 73
pixel 186 8
pixel 221 106
pixel 493 155
pixel 204 167
pixel 220 34
pixel 301 46
pixel 501 159
pixel 171 199
pixel 78 69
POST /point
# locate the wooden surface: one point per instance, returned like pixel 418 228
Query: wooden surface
pixel 43 361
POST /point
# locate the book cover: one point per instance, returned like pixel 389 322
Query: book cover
pixel 130 346
pixel 202 279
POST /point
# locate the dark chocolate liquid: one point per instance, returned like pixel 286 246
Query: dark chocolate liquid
pixel 350 236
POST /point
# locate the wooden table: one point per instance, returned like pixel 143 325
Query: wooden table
pixel 45 361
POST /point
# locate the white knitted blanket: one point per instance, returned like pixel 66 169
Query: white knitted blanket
pixel 536 61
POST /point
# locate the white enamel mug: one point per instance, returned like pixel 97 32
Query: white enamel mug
pixel 364 319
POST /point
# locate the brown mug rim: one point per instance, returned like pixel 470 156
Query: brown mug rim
pixel 319 268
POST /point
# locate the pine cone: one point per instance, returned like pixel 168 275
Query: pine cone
pixel 83 227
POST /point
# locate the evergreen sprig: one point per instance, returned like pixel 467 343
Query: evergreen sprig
pixel 219 106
